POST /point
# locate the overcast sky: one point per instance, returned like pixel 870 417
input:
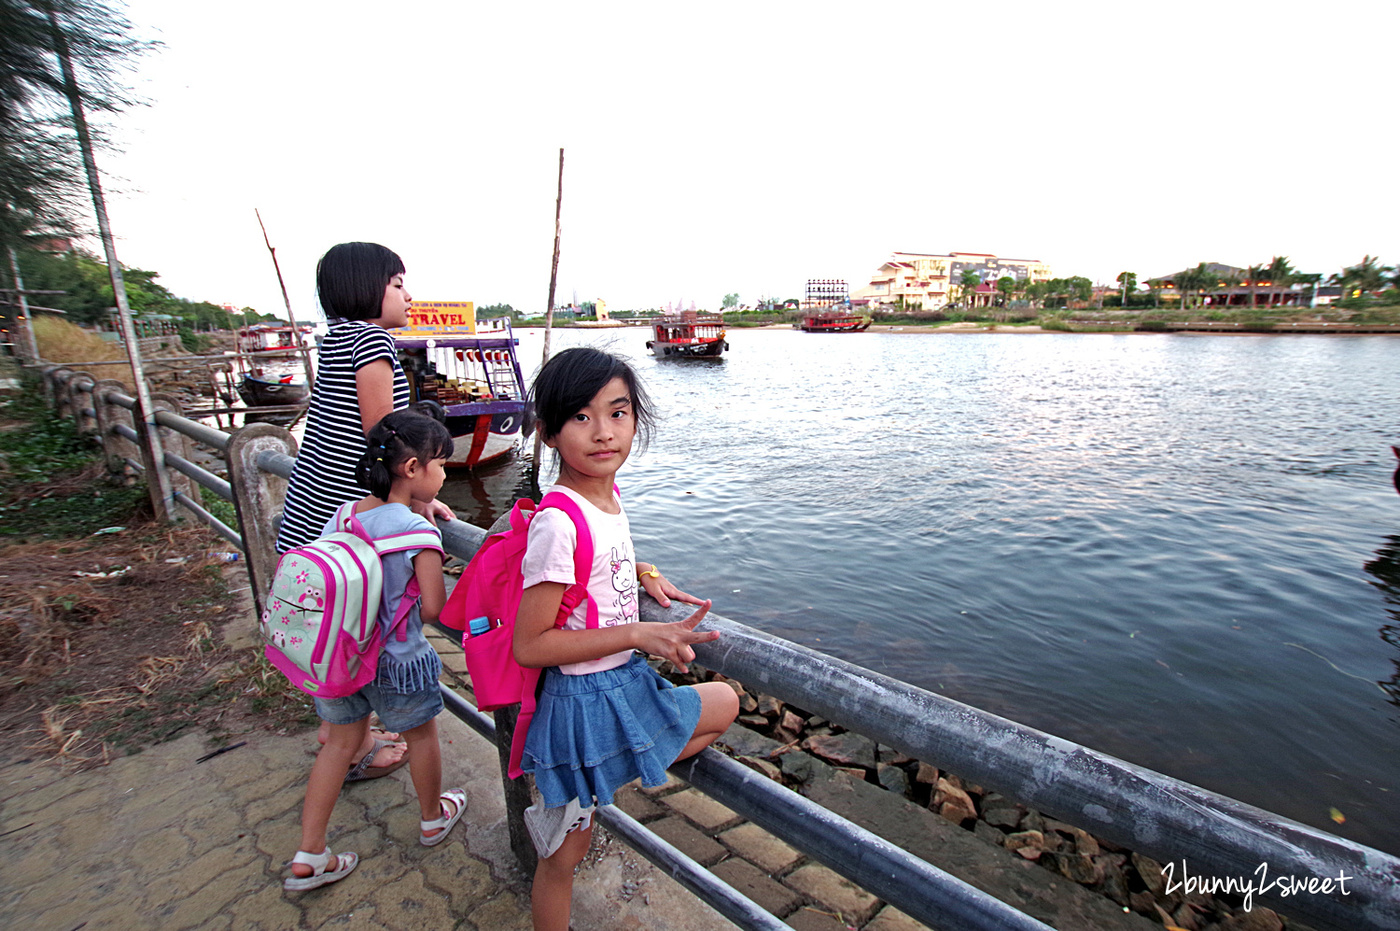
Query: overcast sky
pixel 746 147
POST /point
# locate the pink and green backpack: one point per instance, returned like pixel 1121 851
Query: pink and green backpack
pixel 321 620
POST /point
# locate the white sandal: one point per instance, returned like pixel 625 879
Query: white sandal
pixel 320 876
pixel 458 797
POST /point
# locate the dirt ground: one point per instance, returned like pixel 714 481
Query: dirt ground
pixel 111 642
pixel 111 635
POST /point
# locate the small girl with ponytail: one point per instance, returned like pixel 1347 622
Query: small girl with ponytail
pixel 402 465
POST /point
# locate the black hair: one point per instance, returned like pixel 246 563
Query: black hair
pixel 393 441
pixel 569 380
pixel 351 277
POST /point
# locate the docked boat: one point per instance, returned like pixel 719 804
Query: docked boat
pixel 834 322
pixel 688 335
pixel 470 368
pixel 259 374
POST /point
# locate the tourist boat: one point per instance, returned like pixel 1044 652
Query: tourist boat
pixel 828 321
pixel 470 368
pixel 688 335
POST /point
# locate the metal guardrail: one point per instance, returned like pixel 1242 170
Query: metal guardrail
pixel 1131 806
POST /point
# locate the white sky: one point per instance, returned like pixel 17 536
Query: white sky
pixel 749 146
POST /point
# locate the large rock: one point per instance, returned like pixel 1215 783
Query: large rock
pixel 848 749
pixel 1039 893
pixel 952 802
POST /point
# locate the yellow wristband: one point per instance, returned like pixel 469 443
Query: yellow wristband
pixel 654 572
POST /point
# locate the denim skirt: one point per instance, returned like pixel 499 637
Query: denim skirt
pixel 598 731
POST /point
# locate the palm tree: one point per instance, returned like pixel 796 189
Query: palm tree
pixel 1281 273
pixel 1252 273
pixel 1365 277
pixel 969 282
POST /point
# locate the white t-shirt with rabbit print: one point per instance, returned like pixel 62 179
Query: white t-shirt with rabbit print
pixel 549 557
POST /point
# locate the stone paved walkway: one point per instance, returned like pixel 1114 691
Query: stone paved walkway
pixel 160 841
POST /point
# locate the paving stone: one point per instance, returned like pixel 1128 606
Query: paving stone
pixel 700 808
pixel 892 919
pixel 636 805
pixel 834 891
pixel 811 919
pixel 267 909
pixel 406 904
pixel 670 785
pixel 451 868
pixel 685 838
pixel 766 892
pixel 455 663
pixel 760 848
pixel 194 905
pixel 505 912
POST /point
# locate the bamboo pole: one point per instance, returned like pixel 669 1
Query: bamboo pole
pixel 158 479
pixel 549 316
pixel 291 318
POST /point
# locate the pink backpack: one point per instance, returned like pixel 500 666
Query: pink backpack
pixel 490 588
pixel 321 620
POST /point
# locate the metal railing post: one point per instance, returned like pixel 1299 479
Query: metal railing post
pixel 258 497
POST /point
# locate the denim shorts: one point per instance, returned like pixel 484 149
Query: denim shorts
pixel 397 712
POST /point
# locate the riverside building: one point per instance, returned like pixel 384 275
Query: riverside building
pixel 923 281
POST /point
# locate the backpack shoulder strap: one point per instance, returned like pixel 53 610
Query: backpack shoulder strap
pixel 583 556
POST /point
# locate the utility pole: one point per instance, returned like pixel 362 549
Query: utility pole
pixel 158 480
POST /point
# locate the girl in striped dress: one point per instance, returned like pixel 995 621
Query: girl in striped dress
pixel 358 381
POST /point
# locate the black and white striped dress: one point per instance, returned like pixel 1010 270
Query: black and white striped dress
pixel 324 477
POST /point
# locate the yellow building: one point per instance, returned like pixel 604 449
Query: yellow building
pixel 929 282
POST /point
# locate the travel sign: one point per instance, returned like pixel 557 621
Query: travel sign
pixel 427 319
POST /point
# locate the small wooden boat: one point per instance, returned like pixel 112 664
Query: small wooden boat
pixel 688 335
pixel 834 322
pixel 469 368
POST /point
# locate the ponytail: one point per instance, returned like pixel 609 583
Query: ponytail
pixel 400 436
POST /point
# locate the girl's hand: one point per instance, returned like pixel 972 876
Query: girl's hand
pixel 660 588
pixel 673 641
pixel 431 510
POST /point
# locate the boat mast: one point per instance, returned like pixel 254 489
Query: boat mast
pixel 549 310
pixel 291 318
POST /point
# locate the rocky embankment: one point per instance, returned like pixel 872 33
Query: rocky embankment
pixel 795 747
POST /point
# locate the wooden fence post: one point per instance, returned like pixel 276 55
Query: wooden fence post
pixel 258 497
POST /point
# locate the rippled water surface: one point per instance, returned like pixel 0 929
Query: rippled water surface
pixel 1180 550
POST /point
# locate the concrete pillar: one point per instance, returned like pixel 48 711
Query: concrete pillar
pixel 173 441
pixel 258 497
pixel 56 386
pixel 80 399
pixel 116 447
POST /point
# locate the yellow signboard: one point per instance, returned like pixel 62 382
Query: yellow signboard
pixel 427 319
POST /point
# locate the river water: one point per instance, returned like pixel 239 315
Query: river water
pixel 1180 550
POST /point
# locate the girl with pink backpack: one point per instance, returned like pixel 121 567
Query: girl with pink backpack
pixel 604 716
pixel 402 465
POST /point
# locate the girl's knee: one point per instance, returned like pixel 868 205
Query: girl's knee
pixel 719 704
